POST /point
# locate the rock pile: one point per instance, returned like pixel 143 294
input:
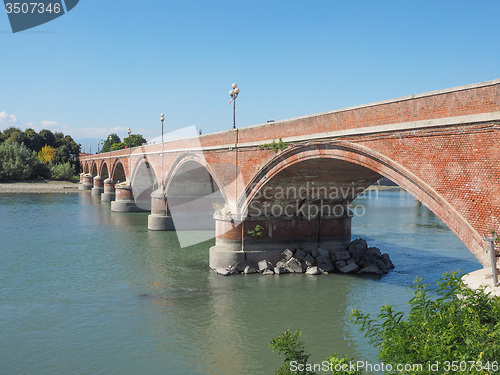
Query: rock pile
pixel 358 257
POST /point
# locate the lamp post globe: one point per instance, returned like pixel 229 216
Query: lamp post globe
pixel 233 93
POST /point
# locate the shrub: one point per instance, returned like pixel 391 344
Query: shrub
pixel 295 361
pixel 17 162
pixel 62 171
pixel 293 349
pixel 440 327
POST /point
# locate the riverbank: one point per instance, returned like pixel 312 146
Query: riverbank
pixel 38 187
pixel 482 278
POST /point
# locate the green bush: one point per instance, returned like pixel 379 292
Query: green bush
pixel 17 162
pixel 439 329
pixel 294 353
pixel 62 172
pixel 295 358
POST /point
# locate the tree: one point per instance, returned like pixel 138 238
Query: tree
pixel 16 137
pixel 48 138
pixel 447 323
pixel 136 140
pixel 58 139
pixel 107 143
pixel 73 147
pixel 7 132
pixel 46 154
pixel 32 140
pixel 61 155
pixel 117 146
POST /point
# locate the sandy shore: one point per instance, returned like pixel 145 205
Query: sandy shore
pixel 39 186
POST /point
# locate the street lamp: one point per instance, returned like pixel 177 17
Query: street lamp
pixel 162 118
pixel 234 94
pixel 128 132
pixel 109 171
pixel 199 131
pixel 90 149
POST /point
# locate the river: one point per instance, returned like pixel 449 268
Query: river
pixel 89 291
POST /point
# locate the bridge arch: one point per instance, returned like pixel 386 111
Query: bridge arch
pixel 193 193
pixel 143 181
pixel 371 165
pixel 104 169
pixel 118 171
pixel 93 169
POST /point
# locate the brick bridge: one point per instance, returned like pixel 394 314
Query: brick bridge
pixel 443 147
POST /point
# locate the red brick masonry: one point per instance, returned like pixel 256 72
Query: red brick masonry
pixel 443 147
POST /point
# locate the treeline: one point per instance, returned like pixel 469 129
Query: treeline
pixel 113 142
pixel 28 154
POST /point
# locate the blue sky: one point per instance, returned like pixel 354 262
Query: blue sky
pixel 109 65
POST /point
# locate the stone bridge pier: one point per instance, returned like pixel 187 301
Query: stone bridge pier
pixel 305 204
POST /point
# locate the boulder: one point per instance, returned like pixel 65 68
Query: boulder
pixel 387 260
pixel 268 272
pixel 280 270
pixel 315 253
pixel 372 268
pixel 300 255
pixel 382 266
pixel 293 265
pixel 264 265
pixel 374 251
pixel 222 271
pixel 309 261
pixel 323 252
pixel 324 263
pixel 313 271
pixel 351 267
pixel 358 249
pixel 340 255
pixel 287 254
pixel 339 264
pixel 281 263
pixel 249 269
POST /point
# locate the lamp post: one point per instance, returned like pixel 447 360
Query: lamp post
pixel 199 131
pixel 109 172
pixel 234 94
pixel 162 118
pixel 90 149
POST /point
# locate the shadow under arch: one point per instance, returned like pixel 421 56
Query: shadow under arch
pixel 93 169
pixel 143 181
pixel 118 172
pixel 370 164
pixel 193 194
pixel 104 170
pixel 86 168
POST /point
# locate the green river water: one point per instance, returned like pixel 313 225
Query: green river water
pixel 89 291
